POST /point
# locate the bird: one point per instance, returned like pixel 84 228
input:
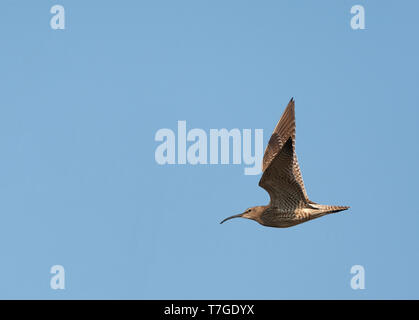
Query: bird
pixel 281 177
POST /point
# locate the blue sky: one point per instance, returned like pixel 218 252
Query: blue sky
pixel 79 185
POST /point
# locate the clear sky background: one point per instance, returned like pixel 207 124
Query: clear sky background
pixel 79 185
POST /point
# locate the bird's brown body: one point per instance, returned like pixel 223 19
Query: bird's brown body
pixel 283 181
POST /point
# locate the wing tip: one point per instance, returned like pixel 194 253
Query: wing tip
pixel 291 102
pixel 291 106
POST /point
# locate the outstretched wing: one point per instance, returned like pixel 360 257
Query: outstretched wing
pixel 284 130
pixel 280 181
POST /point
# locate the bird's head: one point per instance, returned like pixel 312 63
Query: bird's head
pixel 252 213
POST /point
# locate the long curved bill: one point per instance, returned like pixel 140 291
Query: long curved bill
pixel 235 216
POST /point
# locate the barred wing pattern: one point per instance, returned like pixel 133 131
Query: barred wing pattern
pixel 284 130
pixel 280 181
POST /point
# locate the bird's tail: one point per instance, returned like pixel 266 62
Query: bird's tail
pixel 326 209
pixel 334 209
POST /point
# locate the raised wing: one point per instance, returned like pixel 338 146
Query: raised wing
pixel 280 181
pixel 284 130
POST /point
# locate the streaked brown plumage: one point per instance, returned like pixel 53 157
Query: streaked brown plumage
pixel 283 181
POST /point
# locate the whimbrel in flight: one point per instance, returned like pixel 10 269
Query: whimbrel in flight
pixel 283 181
